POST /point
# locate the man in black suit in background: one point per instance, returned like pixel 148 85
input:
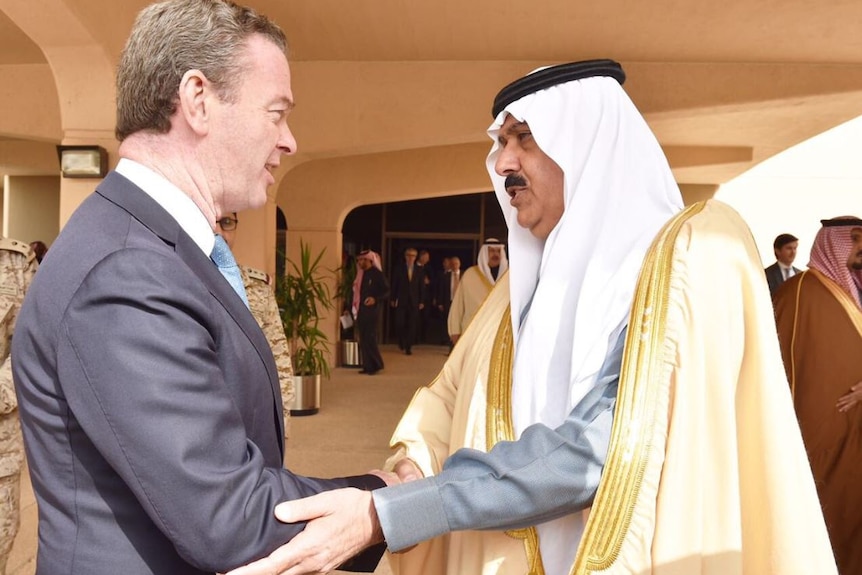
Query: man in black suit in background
pixel 408 299
pixel 149 396
pixel 373 289
pixel 782 270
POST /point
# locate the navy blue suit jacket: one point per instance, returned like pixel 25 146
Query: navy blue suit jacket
pixel 149 401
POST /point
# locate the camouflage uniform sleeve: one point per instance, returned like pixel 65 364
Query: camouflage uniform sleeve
pixel 8 401
pixel 17 267
pixel 261 301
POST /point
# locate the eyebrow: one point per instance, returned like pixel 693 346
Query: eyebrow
pixel 286 101
pixel 513 127
pixel 516 126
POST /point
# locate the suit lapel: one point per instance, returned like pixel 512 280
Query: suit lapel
pixel 120 191
pixel 779 275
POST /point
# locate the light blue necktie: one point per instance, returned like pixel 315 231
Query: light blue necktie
pixel 223 258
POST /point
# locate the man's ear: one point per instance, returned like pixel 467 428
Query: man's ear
pixel 195 100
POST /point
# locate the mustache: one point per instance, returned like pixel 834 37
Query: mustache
pixel 515 180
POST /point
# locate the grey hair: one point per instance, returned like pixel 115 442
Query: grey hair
pixel 170 38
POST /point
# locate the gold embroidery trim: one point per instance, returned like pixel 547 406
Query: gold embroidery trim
pixel 635 415
pixel 498 422
pixel 793 337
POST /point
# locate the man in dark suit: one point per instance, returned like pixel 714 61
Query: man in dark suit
pixel 784 247
pixel 149 398
pixel 408 299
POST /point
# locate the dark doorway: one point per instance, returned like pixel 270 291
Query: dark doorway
pixel 448 226
pixel 433 326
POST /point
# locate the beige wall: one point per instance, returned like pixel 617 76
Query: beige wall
pixel 30 102
pixel 31 208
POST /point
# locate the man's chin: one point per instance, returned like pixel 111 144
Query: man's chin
pixel 252 201
pixel 257 199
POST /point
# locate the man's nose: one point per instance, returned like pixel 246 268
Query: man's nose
pixel 507 162
pixel 286 141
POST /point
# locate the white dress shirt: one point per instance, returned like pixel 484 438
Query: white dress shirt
pixel 176 202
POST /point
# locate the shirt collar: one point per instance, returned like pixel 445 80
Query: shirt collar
pixel 176 202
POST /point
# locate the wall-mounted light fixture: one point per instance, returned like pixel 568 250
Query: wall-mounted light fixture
pixel 83 161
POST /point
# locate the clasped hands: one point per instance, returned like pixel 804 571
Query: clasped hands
pixel 341 523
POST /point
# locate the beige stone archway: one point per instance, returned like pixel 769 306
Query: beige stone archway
pixel 348 182
pixel 79 92
pixel 389 91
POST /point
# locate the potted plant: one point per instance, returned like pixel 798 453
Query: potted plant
pixel 348 345
pixel 302 297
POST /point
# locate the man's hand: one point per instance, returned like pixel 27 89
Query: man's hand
pixel 389 477
pixel 369 301
pixel 341 523
pixel 845 402
pixel 407 471
pixel 454 337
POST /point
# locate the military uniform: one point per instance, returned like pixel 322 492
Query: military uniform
pixel 17 266
pixel 261 301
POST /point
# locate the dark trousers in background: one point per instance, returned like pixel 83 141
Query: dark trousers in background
pixel 366 325
pixel 426 324
pixel 406 326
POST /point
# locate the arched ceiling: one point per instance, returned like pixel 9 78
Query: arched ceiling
pixel 15 46
pixel 723 84
pixel 733 31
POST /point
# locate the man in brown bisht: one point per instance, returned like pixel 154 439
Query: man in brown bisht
pixel 819 319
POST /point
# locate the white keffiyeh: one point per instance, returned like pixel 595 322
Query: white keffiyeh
pixel 577 286
pixel 485 268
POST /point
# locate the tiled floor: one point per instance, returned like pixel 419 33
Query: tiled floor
pixel 349 435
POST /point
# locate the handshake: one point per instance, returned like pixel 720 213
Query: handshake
pixel 341 523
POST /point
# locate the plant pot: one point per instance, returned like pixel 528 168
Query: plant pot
pixel 350 355
pixel 307 398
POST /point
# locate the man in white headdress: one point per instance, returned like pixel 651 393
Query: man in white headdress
pixel 370 288
pixel 601 407
pixel 474 285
